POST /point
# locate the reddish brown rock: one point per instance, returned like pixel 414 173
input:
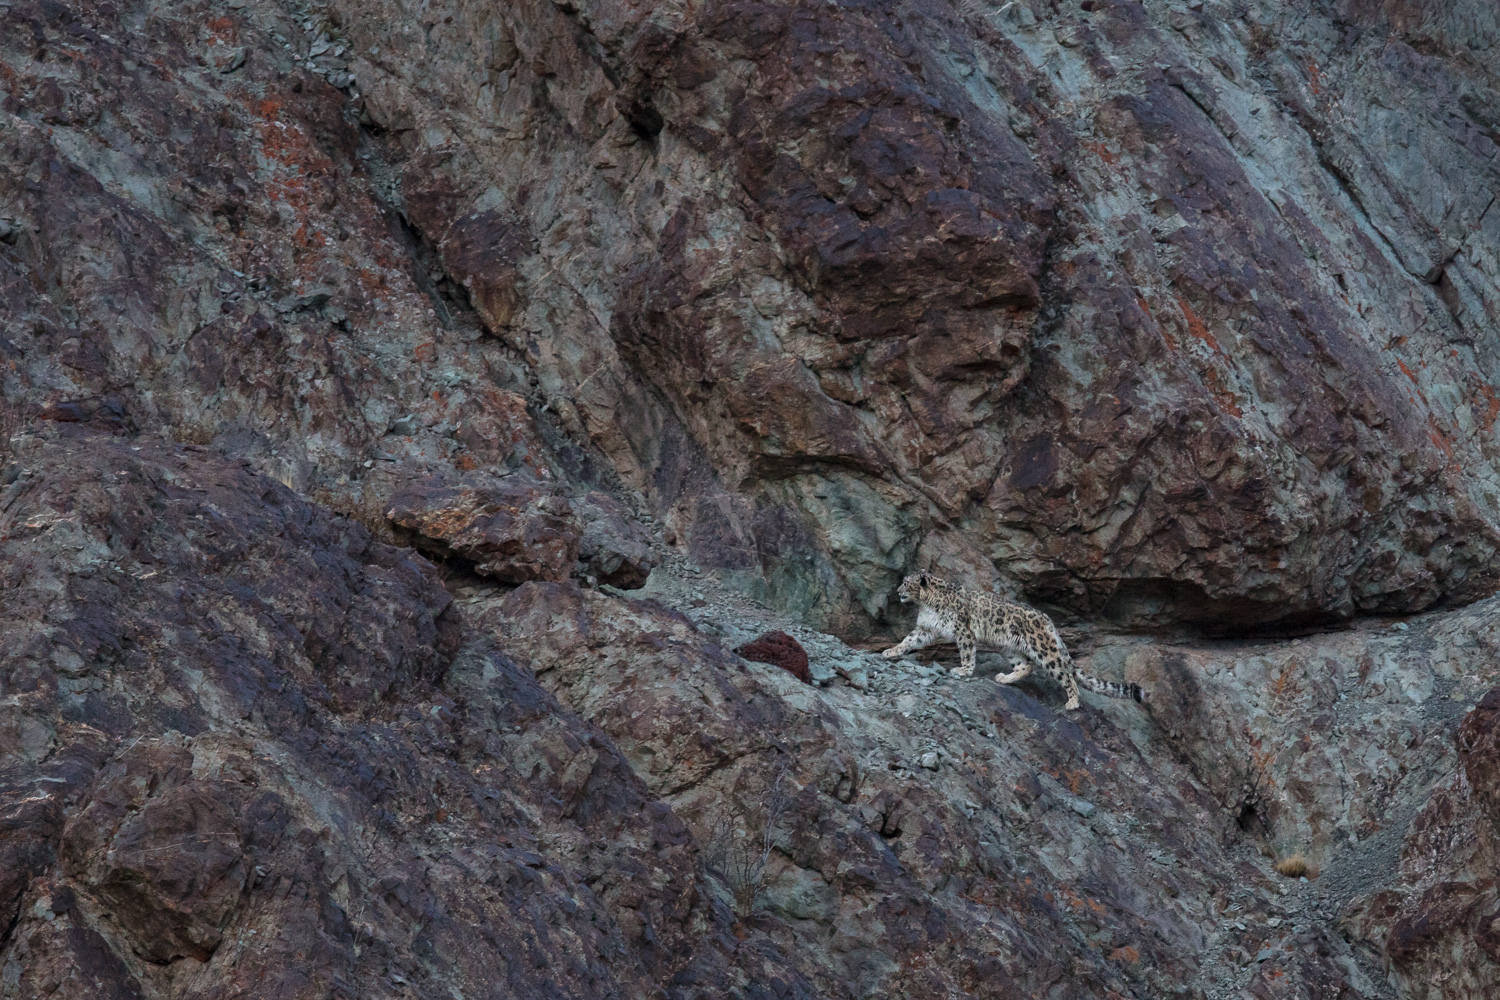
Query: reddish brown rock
pixel 65 957
pixel 1478 743
pixel 482 252
pixel 163 850
pixel 240 742
pixel 779 650
pixel 511 528
pixel 1163 315
pixel 934 321
pixel 1425 921
pixel 1436 923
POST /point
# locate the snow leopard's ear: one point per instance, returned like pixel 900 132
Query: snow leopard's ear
pixel 922 580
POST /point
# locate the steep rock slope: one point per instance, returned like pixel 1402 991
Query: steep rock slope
pixel 194 245
pixel 250 751
pixel 1158 313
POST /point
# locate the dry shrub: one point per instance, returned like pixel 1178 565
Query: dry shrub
pixel 1296 866
pixel 739 842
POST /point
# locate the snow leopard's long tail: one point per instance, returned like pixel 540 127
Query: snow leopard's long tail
pixel 1111 689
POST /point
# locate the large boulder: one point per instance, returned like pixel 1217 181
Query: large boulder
pixel 511 528
pixel 515 528
pixel 613 547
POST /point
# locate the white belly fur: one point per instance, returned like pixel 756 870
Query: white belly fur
pixel 930 621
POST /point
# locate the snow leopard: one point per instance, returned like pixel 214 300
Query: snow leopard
pixel 974 619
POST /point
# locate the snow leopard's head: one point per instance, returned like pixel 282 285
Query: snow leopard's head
pixel 917 586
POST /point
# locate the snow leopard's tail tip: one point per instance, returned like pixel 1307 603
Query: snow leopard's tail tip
pixel 1114 689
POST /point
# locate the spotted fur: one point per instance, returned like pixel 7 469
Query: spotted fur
pixel 972 619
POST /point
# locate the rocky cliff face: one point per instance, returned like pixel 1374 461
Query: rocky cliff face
pixel 408 409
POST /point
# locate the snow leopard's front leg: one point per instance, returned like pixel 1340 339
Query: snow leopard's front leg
pixel 964 636
pixel 918 638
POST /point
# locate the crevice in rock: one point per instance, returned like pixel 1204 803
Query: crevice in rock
pixel 721 765
pixel 455 568
pixel 1447 293
pixel 456 572
pixel 1250 820
pixel 1439 269
pixel 450 300
pixel 773 468
pixel 1346 185
pixel 645 121
pixel 9 930
pixel 453 306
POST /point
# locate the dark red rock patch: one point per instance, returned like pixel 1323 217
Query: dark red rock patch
pixel 781 650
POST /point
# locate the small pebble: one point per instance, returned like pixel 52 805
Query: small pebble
pixel 1082 808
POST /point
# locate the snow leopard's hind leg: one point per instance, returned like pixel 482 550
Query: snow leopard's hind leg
pixel 1060 667
pixel 1021 668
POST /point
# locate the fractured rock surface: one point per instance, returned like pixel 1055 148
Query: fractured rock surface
pixel 249 752
pixel 1158 313
pixel 1152 312
pixel 513 531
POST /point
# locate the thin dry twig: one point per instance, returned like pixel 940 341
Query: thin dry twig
pixel 740 844
pixel 12 419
